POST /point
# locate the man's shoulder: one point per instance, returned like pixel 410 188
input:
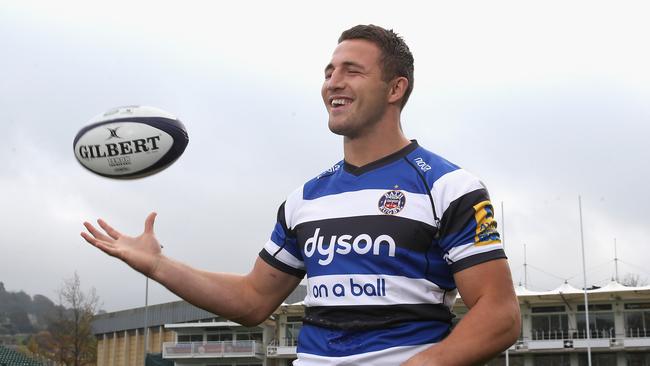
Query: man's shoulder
pixel 431 165
pixel 321 183
pixel 317 183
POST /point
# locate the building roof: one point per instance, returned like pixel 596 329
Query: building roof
pixel 161 314
pixel 157 315
pixel 212 324
pixel 183 312
pixel 566 291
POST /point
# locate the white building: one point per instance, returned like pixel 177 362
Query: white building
pixel 554 332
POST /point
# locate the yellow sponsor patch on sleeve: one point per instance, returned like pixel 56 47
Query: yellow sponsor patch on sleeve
pixel 486 226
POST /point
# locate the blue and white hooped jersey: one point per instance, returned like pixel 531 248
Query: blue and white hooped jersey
pixel 379 245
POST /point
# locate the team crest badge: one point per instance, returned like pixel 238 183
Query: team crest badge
pixel 392 202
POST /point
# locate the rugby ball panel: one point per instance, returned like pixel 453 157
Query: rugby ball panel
pixel 131 111
pixel 130 142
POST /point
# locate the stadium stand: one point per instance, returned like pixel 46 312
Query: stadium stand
pixel 9 357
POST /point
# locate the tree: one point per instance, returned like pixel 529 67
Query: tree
pixel 21 322
pixel 631 279
pixel 41 346
pixel 72 340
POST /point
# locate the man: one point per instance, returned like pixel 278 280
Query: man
pixel 386 237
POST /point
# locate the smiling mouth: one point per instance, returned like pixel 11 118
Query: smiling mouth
pixel 339 102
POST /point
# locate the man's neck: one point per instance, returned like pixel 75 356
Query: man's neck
pixel 373 146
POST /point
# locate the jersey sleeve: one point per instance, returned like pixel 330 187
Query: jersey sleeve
pixel 468 231
pixel 281 250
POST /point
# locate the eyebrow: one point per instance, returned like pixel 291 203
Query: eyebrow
pixel 330 66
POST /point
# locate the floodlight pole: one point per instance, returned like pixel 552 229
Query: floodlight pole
pixel 615 261
pixel 525 269
pixel 146 320
pixel 584 277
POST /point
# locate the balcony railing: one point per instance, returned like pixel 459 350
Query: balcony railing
pixel 282 349
pixel 537 335
pixel 561 334
pixel 228 349
pixel 637 332
pixel 577 339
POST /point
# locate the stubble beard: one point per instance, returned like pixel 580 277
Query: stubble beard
pixel 353 127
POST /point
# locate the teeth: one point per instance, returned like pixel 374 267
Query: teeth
pixel 340 101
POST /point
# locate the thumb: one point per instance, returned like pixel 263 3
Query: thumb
pixel 148 223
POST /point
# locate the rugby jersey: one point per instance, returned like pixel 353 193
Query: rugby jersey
pixel 379 245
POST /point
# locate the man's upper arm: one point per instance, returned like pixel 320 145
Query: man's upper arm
pixel 270 284
pixel 489 279
pixel 279 267
pixel 467 230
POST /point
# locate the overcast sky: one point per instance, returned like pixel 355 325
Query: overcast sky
pixel 543 101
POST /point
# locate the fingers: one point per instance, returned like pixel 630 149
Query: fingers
pixel 102 245
pixel 96 233
pixel 109 229
pixel 148 223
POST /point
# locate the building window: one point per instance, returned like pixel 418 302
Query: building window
pixel 220 337
pixel 513 360
pixel 293 330
pixel 596 307
pixel 597 359
pixel 637 306
pixel 548 309
pixel 183 338
pixel 550 326
pixel 249 336
pixel 637 323
pixel 551 360
pixel 601 321
pixel 638 358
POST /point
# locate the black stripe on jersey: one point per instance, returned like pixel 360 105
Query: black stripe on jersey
pixel 477 259
pixel 374 316
pixel 407 233
pixel 461 211
pixel 277 264
pixel 282 219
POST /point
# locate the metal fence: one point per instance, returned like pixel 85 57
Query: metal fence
pixel 212 349
pixel 558 334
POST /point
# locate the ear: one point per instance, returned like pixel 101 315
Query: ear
pixel 397 89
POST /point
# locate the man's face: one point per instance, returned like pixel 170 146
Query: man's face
pixel 354 92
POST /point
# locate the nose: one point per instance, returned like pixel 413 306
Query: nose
pixel 336 81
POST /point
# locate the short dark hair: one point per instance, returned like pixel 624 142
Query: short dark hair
pixel 396 58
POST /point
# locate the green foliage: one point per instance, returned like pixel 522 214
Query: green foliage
pixel 71 331
pixel 63 332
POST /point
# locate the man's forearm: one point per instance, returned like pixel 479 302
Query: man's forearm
pixel 240 298
pixel 247 299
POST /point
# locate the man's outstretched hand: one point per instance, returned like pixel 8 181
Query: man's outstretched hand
pixel 142 252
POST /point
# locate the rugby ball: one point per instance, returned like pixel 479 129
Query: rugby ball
pixel 130 142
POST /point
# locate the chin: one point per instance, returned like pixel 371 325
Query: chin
pixel 336 128
pixel 337 131
pixel 341 129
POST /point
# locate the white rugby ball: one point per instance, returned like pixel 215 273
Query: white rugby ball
pixel 130 142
